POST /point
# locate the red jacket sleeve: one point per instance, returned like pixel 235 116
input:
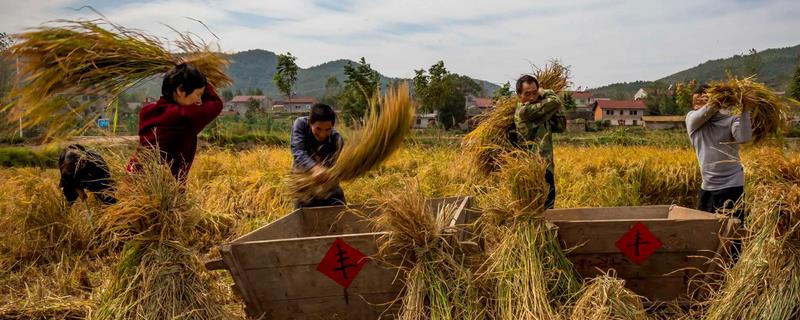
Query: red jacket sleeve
pixel 200 116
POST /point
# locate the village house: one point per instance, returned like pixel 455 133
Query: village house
pixel 640 95
pixel 424 120
pixel 664 122
pixel 294 105
pixel 478 105
pixel 240 104
pixel 584 100
pixel 620 112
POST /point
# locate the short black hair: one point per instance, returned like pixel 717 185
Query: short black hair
pixel 701 89
pixel 526 79
pixel 321 112
pixel 185 76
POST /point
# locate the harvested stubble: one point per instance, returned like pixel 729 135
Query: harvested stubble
pixel 61 63
pixel 387 126
pixel 57 290
pixel 606 298
pixel 768 112
pixel 53 309
pixel 493 137
pixel 38 224
pixel 531 272
pixel 157 275
pixel 427 247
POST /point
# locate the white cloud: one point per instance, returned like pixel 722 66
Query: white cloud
pixel 605 42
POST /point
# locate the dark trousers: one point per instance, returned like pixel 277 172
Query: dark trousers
pixel 335 198
pixel 551 194
pixel 724 199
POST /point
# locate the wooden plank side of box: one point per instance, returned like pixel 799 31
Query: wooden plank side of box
pixel 660 289
pixel 675 235
pixel 657 265
pixel 285 270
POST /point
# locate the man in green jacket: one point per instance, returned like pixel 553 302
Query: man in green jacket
pixel 535 120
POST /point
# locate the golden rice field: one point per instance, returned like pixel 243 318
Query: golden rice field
pixel 55 262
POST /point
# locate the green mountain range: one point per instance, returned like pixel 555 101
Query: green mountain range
pixel 773 67
pixel 254 69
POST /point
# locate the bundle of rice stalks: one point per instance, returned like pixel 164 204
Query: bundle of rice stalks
pixel 151 205
pixel 62 63
pixel 426 245
pixel 383 133
pixel 606 298
pixel 159 280
pixel 554 76
pixel 157 276
pixel 531 272
pixel 494 135
pixel 765 282
pixel 768 113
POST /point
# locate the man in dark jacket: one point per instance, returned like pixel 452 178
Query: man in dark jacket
pixel 81 170
pixel 315 146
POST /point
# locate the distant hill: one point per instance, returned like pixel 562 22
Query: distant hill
pixel 776 68
pixel 255 68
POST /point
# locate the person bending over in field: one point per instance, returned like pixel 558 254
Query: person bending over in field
pixel 85 170
pixel 315 146
pixel 535 121
pixel 715 135
pixel 170 126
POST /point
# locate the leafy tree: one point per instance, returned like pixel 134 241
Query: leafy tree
pixel 568 101
pixel 238 92
pixel 253 110
pixel 444 92
pixel 360 86
pixel 752 63
pixel 332 91
pixel 793 91
pixel 332 86
pixel 6 68
pixel 227 95
pixel 285 73
pixel 683 96
pixel 503 91
pixel 659 100
pixel 5 41
pixel 255 92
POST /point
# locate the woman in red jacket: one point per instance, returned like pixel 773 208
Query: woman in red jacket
pixel 188 104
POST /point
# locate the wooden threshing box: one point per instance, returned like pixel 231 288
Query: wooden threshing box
pixel 689 239
pixel 275 268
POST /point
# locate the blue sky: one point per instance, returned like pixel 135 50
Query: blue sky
pixel 604 41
